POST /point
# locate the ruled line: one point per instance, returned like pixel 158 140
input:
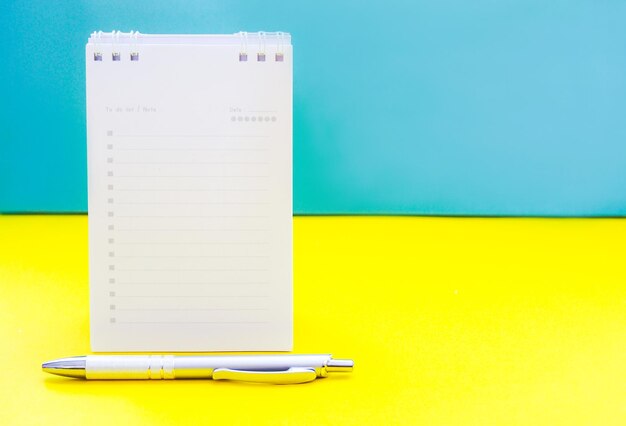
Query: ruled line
pixel 190 309
pixel 192 322
pixel 191 269
pixel 192 176
pixel 192 149
pixel 188 190
pixel 189 229
pixel 195 216
pixel 192 296
pixel 188 162
pixel 126 283
pixel 161 136
pixel 190 257
pixel 140 203
pixel 190 243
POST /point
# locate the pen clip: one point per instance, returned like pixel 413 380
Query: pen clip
pixel 293 375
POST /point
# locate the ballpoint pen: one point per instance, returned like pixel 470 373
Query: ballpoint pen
pixel 278 369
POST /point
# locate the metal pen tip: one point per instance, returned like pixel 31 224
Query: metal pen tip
pixel 69 367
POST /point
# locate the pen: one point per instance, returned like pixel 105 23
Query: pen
pixel 277 369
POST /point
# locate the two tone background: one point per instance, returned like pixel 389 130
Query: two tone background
pixel 400 107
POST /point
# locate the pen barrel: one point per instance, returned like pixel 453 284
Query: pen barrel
pixel 121 367
pixel 157 367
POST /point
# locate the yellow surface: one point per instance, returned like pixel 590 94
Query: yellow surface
pixel 450 321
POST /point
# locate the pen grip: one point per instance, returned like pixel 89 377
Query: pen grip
pixel 154 367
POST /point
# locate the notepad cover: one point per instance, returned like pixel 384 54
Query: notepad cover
pixel 190 193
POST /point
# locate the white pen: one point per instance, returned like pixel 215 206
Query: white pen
pixel 278 369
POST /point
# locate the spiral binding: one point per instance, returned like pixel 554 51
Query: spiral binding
pixel 113 39
pixel 115 56
pixel 261 54
pixel 280 55
pixel 260 57
pixel 243 54
pixel 134 54
pixel 97 56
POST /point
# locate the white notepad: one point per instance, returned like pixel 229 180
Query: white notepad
pixel 190 191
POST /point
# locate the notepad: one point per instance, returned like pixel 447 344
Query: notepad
pixel 190 191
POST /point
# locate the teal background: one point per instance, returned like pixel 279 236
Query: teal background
pixel 415 107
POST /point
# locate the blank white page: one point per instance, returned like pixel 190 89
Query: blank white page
pixel 190 192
